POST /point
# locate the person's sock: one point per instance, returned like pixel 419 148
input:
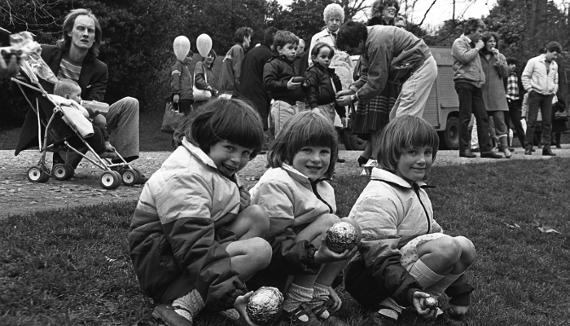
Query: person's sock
pixel 390 313
pixel 296 295
pixel 424 275
pixel 320 296
pixel 444 283
pixel 390 308
pixel 189 305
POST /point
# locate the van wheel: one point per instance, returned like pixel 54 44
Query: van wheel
pixel 451 133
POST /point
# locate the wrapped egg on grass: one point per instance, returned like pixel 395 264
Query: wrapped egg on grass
pixel 341 236
pixel 264 305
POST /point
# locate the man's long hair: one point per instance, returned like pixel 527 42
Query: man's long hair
pixel 65 42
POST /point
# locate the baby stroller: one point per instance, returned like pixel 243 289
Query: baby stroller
pixel 62 128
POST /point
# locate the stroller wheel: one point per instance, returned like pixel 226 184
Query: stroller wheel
pixel 130 177
pixel 37 174
pixel 62 171
pixel 110 179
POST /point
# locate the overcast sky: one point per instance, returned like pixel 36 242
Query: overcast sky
pixel 442 10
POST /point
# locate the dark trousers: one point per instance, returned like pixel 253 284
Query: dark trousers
pixel 471 102
pixel 538 101
pixel 515 117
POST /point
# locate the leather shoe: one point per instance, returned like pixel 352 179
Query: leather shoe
pixel 490 154
pixel 547 151
pixel 528 151
pixel 467 153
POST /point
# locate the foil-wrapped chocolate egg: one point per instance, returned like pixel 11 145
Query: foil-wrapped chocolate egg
pixel 431 303
pixel 264 304
pixel 342 236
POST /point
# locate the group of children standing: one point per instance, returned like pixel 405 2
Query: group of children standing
pixel 199 240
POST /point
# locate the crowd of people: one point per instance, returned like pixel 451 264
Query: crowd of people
pixel 199 240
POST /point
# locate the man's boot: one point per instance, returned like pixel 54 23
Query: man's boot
pixel 547 151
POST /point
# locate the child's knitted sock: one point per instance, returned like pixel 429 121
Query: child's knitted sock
pixel 189 305
pixel 320 296
pixel 444 283
pixel 296 295
pixel 390 308
pixel 424 275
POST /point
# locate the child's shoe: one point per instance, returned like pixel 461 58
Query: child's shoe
pixel 301 316
pixel 167 315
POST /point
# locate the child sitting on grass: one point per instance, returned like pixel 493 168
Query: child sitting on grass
pixel 301 207
pixel 194 238
pixel 404 251
pixel 70 90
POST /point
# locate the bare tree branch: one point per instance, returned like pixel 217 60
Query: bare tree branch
pixel 426 13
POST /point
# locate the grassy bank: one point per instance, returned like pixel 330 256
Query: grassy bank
pixel 71 267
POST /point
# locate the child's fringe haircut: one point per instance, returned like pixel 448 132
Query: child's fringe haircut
pixel 225 119
pixel 401 134
pixel 304 129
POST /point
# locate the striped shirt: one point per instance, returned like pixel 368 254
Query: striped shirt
pixel 513 87
pixel 69 70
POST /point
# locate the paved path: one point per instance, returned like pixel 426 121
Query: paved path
pixel 19 196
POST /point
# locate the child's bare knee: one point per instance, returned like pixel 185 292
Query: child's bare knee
pixel 468 252
pixel 259 251
pixel 447 248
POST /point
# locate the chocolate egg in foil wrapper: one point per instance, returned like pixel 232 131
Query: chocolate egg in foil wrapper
pixel 264 305
pixel 342 236
pixel 431 303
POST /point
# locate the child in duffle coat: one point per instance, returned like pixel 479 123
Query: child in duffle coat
pixel 278 80
pixel 301 206
pixel 404 254
pixel 194 238
pixel 322 83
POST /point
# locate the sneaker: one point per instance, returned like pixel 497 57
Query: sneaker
pixel 377 319
pixel 166 314
pixel 301 316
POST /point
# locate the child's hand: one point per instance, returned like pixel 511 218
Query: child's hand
pixel 325 255
pixel 244 198
pixel 109 147
pixel 418 302
pixel 175 98
pixel 344 100
pixel 240 304
pixel 293 85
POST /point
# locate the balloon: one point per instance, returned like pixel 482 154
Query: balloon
pixel 181 47
pixel 204 44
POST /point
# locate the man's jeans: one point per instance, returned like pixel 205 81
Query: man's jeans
pixel 544 102
pixel 471 101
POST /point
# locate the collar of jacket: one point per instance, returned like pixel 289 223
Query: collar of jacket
pixel 203 158
pixel 387 176
pixel 300 177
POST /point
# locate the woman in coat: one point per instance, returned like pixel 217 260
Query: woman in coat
pixel 495 66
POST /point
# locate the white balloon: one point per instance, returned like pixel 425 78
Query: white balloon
pixel 181 47
pixel 204 44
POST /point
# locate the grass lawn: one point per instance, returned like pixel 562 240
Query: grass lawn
pixel 72 267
